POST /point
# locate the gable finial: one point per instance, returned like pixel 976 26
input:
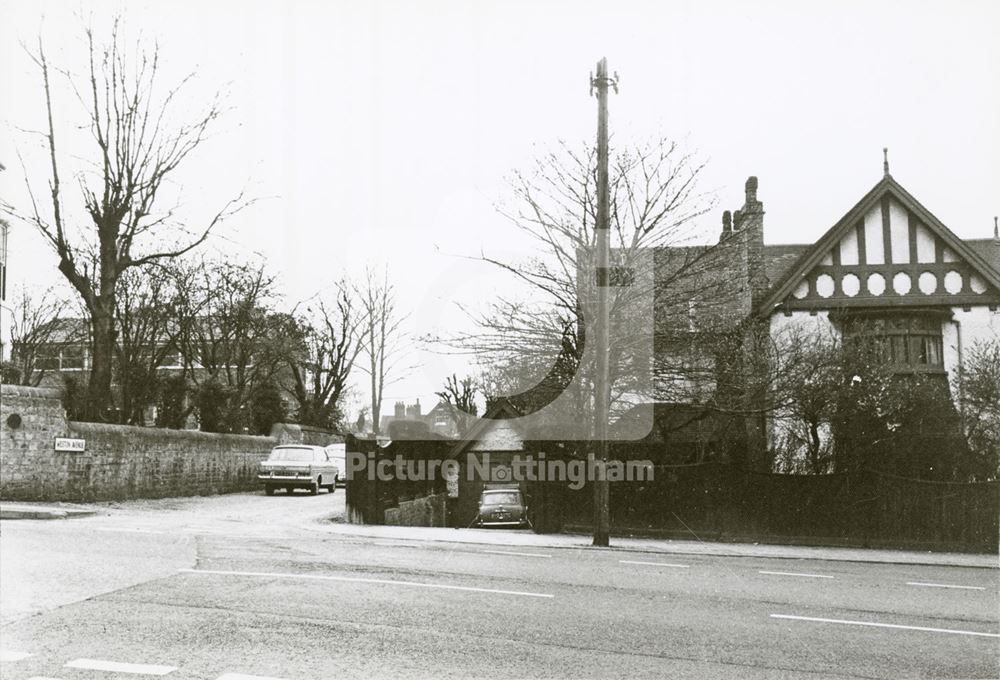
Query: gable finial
pixel 885 161
pixel 996 230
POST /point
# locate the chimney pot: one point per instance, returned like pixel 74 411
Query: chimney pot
pixel 727 221
pixel 751 189
pixel 737 220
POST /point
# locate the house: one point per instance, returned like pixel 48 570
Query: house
pixel 888 272
pixel 442 420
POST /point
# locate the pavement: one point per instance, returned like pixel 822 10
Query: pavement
pixel 528 538
pixel 44 511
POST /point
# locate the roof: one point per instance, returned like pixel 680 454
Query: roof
pixel 778 259
pixel 68 330
pixel 501 409
pixel 989 248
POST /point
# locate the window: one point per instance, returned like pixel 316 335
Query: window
pixel 293 455
pixel 72 357
pixel 910 342
pixel 47 358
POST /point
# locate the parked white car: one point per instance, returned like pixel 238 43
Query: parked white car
pixel 298 467
pixel 338 454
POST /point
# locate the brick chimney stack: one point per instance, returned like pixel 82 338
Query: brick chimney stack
pixel 752 224
pixel 399 409
pixel 413 411
pixel 727 225
pixel 751 192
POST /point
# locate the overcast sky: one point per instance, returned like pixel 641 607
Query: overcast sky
pixel 381 132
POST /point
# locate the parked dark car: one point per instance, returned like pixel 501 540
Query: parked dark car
pixel 502 507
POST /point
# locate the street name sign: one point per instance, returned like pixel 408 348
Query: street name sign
pixel 73 445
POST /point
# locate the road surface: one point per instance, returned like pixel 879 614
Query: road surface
pixel 242 586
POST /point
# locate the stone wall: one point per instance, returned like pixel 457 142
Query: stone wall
pixel 426 511
pixel 118 461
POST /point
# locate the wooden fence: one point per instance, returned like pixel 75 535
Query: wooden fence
pixel 870 509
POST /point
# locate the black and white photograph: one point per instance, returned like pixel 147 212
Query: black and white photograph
pixel 499 339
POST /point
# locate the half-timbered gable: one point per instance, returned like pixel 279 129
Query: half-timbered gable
pixel 887 251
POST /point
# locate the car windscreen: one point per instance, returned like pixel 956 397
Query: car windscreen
pixel 498 497
pixel 292 455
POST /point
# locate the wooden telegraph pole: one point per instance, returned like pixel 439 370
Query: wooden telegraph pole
pixel 602 398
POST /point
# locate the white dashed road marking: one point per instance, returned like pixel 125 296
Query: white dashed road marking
pixel 657 564
pixel 790 573
pixel 118 667
pixel 943 585
pixel 10 655
pixel 885 625
pixel 519 554
pixel 379 581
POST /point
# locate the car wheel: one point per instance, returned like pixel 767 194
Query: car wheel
pixel 314 488
pixel 269 489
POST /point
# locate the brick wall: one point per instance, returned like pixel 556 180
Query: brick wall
pixel 119 461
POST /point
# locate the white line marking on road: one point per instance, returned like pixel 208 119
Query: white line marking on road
pixel 885 625
pixel 241 676
pixel 790 573
pixel 943 585
pixel 353 579
pixel 118 667
pixel 519 554
pixel 657 564
pixel 9 655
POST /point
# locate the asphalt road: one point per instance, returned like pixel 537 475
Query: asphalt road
pixel 245 585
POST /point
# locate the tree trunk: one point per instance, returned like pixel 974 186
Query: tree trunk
pixel 102 345
pixel 814 447
pixel 376 406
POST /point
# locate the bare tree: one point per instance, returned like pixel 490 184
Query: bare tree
pixel 461 395
pixel 840 402
pixel 147 334
pixel 231 340
pixel 137 150
pixel 330 346
pixel 654 201
pixel 978 387
pixel 382 338
pixel 805 399
pixel 39 330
